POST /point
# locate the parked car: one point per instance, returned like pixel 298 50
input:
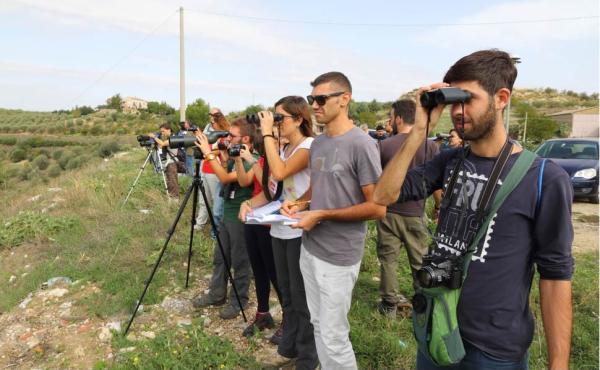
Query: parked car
pixel 579 157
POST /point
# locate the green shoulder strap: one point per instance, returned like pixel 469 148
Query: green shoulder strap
pixel 514 177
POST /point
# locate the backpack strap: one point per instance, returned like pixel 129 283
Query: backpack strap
pixel 514 177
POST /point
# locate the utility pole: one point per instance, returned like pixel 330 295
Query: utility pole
pixel 181 69
pixel 525 131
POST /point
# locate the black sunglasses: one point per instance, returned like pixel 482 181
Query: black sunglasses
pixel 278 117
pixel 322 99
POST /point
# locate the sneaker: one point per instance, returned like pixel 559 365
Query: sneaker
pixel 206 300
pixel 262 320
pixel 231 311
pixel 386 309
pixel 276 337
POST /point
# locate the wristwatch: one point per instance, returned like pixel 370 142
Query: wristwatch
pixel 211 156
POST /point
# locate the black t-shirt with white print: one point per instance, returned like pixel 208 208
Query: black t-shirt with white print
pixel 493 312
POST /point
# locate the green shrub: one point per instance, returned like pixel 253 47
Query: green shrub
pixel 26 172
pixel 73 163
pixel 65 158
pixel 31 225
pixel 54 170
pixel 57 154
pixel 41 162
pixel 18 154
pixel 107 149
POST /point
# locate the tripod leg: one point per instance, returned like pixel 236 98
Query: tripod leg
pixel 137 178
pixel 170 234
pixel 214 227
pixel 192 225
pixel 162 171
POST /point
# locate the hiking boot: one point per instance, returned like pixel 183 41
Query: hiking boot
pixel 276 337
pixel 403 302
pixel 206 300
pixel 231 311
pixel 262 320
pixel 387 309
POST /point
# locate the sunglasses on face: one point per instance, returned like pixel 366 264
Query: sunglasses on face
pixel 278 117
pixel 322 99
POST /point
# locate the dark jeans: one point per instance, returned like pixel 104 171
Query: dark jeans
pixel 231 234
pixel 298 337
pixel 260 252
pixel 475 359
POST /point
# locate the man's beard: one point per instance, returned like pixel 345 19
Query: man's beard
pixel 481 127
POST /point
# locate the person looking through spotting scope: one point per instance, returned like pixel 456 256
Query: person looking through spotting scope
pixel 231 230
pixel 168 157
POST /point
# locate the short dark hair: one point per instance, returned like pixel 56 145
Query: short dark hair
pixel 452 130
pixel 405 109
pixel 246 129
pixel 493 69
pixel 337 78
pixel 297 107
pixel 165 125
pixel 379 127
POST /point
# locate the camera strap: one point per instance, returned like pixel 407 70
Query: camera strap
pixel 492 182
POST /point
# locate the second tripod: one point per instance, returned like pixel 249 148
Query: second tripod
pixel 154 158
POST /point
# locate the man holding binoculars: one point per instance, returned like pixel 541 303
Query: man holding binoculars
pixel 532 225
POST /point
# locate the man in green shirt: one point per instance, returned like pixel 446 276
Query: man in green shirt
pixel 231 231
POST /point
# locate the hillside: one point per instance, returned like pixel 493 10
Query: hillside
pixel 62 183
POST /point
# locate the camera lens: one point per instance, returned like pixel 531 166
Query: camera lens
pixel 424 277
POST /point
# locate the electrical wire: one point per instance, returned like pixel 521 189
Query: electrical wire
pixel 389 25
pixel 122 59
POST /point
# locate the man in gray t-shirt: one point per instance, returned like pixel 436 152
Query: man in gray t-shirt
pixel 345 166
pixel 339 167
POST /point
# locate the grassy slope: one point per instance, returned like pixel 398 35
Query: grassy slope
pixel 89 236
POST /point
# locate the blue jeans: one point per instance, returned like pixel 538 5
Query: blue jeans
pixel 218 205
pixel 189 164
pixel 475 359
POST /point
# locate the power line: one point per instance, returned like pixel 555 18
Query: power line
pixel 399 25
pixel 122 59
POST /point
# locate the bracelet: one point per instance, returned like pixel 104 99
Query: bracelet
pixel 269 135
pixel 248 202
pixel 211 156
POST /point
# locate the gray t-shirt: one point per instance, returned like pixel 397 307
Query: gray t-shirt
pixel 339 167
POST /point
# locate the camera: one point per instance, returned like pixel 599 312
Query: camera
pixel 176 142
pixel 255 119
pixel 234 150
pixel 438 270
pixel 446 95
pixel 223 145
pixel 146 141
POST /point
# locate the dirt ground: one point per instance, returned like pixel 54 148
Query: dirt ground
pixel 585 225
pixel 50 330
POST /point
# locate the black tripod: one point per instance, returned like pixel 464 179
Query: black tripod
pixel 153 157
pixel 196 184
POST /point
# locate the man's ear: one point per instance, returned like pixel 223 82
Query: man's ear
pixel 345 99
pixel 501 98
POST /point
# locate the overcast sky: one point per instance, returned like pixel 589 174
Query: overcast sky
pixel 61 53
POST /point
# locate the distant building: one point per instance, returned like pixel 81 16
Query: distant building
pixel 132 104
pixel 583 122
